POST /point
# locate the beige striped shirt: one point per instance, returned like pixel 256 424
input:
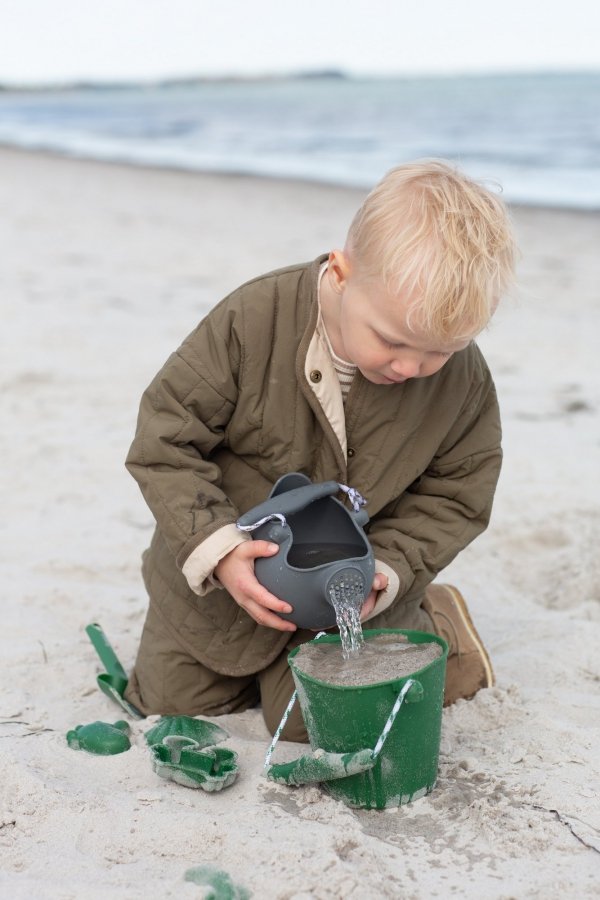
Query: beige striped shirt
pixel 344 370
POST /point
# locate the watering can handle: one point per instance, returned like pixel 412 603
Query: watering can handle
pixel 288 502
pixel 308 770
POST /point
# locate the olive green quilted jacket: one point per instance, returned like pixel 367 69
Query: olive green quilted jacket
pixel 233 409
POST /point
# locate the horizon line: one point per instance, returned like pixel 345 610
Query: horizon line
pixel 334 74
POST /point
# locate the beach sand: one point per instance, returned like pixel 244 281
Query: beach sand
pixel 103 270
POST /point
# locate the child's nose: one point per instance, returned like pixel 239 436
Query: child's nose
pixel 406 366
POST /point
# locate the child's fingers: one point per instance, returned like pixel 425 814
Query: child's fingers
pixel 264 617
pixel 247 591
pixel 368 605
pixel 380 581
pixel 262 597
pixel 263 606
pixel 254 549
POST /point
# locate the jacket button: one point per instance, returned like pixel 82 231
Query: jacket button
pixel 351 452
pixel 315 376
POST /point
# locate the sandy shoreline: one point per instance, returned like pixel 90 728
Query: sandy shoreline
pixel 6 148
pixel 104 269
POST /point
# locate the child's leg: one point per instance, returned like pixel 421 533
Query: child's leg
pixel 166 679
pixel 276 689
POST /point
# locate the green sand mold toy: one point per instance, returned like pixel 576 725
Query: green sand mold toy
pixel 204 733
pixel 184 761
pixel 100 738
pixel 218 884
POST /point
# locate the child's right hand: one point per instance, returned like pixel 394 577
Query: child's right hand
pixel 236 573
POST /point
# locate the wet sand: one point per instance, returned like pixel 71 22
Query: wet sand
pixel 381 658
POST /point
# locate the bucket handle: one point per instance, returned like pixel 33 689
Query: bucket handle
pixel 323 766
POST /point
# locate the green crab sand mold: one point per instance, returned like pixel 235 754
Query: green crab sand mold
pixel 184 761
pixel 183 751
pixel 100 738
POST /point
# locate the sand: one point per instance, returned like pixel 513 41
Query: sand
pixel 103 270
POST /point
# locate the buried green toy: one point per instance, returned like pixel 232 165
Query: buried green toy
pixel 217 883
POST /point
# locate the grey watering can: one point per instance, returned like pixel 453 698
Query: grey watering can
pixel 324 554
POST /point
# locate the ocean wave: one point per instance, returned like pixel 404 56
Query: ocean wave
pixel 539 137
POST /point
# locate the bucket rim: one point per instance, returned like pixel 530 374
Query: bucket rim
pixel 367 634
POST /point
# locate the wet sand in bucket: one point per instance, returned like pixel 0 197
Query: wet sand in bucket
pixel 384 657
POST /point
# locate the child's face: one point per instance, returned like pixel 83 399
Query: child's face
pixel 371 331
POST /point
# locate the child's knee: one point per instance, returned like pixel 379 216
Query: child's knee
pixel 167 680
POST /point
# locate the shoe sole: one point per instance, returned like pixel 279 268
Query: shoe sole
pixel 468 622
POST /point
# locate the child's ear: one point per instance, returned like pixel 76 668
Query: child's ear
pixel 338 269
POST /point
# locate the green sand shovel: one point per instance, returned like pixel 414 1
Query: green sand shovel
pixel 114 681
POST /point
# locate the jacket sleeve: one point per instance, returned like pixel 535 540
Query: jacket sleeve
pixel 450 503
pixel 182 420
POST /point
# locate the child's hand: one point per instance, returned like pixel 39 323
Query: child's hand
pixel 380 582
pixel 236 573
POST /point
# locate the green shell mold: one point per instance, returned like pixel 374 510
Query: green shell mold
pixel 205 734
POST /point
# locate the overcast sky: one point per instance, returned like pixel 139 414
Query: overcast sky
pixel 56 40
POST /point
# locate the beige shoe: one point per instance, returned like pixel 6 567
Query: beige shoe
pixel 468 668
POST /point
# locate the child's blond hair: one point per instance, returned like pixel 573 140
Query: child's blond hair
pixel 429 231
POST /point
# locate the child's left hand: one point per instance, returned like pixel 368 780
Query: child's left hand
pixel 380 582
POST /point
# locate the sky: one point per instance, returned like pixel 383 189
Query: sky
pixel 53 41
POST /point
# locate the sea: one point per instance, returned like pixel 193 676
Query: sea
pixel 536 135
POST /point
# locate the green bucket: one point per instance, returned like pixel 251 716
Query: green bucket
pixel 343 720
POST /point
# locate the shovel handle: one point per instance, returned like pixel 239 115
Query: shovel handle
pixel 104 650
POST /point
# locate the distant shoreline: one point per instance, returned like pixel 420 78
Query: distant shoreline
pixel 191 81
pixel 175 83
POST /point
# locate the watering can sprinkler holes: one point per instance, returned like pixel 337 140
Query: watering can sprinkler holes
pixel 346 593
